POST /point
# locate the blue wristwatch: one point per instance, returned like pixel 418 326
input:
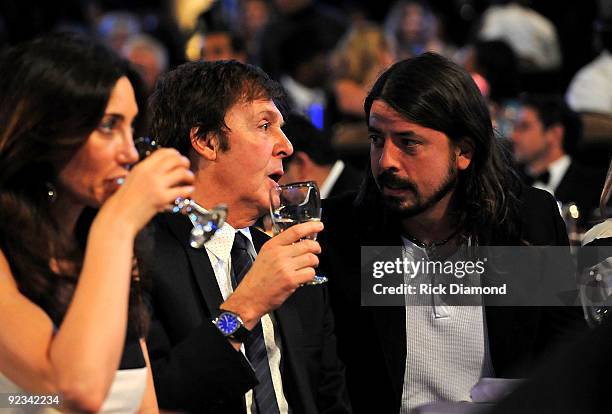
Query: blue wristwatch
pixel 230 325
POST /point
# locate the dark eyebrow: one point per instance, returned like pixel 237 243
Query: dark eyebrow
pixel 118 116
pixel 113 115
pixel 403 134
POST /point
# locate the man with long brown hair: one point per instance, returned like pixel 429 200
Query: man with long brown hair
pixel 438 182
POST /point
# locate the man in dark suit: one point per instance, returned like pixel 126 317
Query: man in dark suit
pixel 438 183
pixel 545 135
pixel 232 331
pixel 314 159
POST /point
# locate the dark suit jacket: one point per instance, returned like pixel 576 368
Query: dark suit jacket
pixel 371 340
pixel 576 380
pixel 196 369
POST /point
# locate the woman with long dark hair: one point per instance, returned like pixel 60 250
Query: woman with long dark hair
pixel 68 282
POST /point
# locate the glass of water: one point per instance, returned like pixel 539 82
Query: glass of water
pixel 205 223
pixel 295 203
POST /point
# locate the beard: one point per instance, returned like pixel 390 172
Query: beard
pixel 405 209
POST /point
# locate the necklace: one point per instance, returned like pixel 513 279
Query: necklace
pixel 424 245
pixel 431 248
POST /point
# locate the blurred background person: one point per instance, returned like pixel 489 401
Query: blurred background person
pixel 70 308
pixel 148 55
pixel 305 74
pixel 221 43
pixel 413 29
pixel 316 20
pixel 360 56
pixel 496 62
pixel 591 88
pixel 532 36
pixel 214 38
pixel 314 159
pixel 116 27
pixel 590 94
pixel 253 16
pixel 545 136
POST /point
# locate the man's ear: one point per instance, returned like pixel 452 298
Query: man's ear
pixel 464 150
pixel 207 146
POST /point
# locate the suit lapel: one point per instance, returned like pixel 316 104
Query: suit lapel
pixel 201 268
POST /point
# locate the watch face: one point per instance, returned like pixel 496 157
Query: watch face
pixel 228 323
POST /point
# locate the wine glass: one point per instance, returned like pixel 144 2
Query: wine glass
pixel 295 203
pixel 205 223
pixel 595 289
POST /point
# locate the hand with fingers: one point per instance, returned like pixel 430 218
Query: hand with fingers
pixel 284 263
pixel 152 185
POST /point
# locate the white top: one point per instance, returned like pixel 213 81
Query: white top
pixel 591 88
pixel 331 179
pixel 124 396
pixel 557 170
pixel 219 249
pixel 600 231
pixel 531 35
pixel 447 349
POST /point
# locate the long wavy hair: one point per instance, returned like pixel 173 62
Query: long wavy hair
pixel 360 49
pixel 436 93
pixel 53 94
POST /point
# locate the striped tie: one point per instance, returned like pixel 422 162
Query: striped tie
pixel 263 393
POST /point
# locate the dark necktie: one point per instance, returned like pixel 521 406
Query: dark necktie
pixel 263 393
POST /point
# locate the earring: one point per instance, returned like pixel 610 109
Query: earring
pixel 51 192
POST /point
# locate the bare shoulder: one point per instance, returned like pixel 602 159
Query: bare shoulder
pixel 7 280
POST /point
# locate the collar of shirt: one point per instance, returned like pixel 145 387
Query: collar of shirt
pixel 331 179
pixel 220 244
pixel 557 170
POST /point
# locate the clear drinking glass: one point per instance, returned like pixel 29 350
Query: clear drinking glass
pixel 205 223
pixel 295 203
pixel 595 290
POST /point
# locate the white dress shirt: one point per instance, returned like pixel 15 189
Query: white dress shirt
pixel 219 249
pixel 331 179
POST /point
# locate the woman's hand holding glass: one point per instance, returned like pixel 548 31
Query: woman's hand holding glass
pixel 205 223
